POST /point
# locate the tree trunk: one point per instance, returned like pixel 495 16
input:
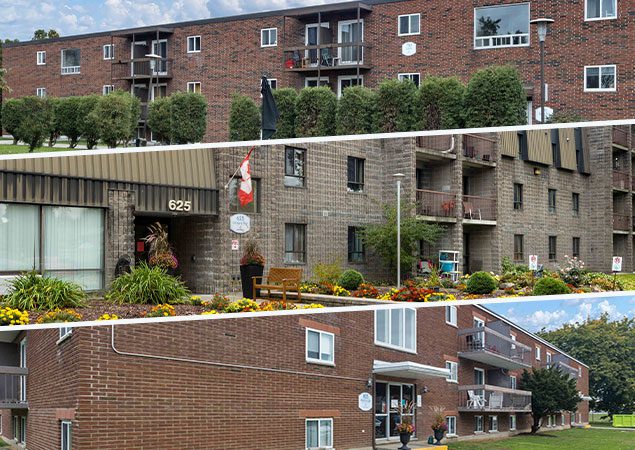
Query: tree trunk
pixel 536 425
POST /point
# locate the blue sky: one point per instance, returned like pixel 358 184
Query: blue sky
pixel 552 314
pixel 19 18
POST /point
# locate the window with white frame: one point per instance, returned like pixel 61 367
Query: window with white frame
pixel 409 24
pixel 538 351
pixel 315 81
pixel 22 434
pixel 451 421
pixel 65 332
pixel 107 89
pixel 600 9
pixel 513 382
pixel 320 347
pixel 40 92
pixel 414 77
pixel 71 58
pixel 513 337
pixel 478 424
pixel 600 78
pixel 194 86
pixel 66 434
pixel 268 37
pixel 493 424
pixel 41 58
pixel 512 422
pixel 579 372
pixel 193 44
pixel 347 81
pixel 396 328
pixel 562 419
pixel 501 26
pixel 319 433
pixel 451 315
pixel 22 349
pixel 109 51
pixel 453 367
pixel 548 358
pixel 549 421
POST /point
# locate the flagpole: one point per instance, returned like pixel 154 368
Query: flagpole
pixel 234 175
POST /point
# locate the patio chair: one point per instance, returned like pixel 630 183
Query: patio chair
pixel 469 211
pixel 475 401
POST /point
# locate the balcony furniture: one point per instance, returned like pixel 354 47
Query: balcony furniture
pixel 280 278
pixel 470 211
pixel 449 264
pixel 470 152
pixel 495 401
pixel 475 401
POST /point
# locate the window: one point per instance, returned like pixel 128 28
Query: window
pixel 234 204
pixel 345 81
pixel 109 51
pixel 552 248
pixel 66 435
pixel 65 332
pixel 194 86
pixel 273 84
pixel 600 78
pixel 450 315
pixel 388 397
pixel 355 174
pixel 512 422
pixel 575 251
pixel 319 433
pixel 453 367
pixel 409 24
pixel 268 37
pixel 193 44
pixel 70 61
pixel 562 419
pixel 538 353
pixel 294 243
pixel 513 382
pixel 315 81
pixel 513 338
pixel 107 89
pixel 493 424
pixel 41 58
pixel 294 167
pixel 414 77
pixel 22 349
pixel 320 347
pixel 519 247
pixel 548 355
pixel 549 421
pixel 518 196
pixel 40 92
pixel 451 421
pixel 600 9
pixel 356 250
pixel 579 372
pixel 478 424
pixel 575 203
pixel 552 200
pixel 396 328
pixel 501 26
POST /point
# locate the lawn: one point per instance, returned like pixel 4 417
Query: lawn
pixel 599 419
pixel 629 281
pixel 3 444
pixel 572 439
pixel 15 149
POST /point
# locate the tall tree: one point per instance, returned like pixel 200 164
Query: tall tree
pixel 40 34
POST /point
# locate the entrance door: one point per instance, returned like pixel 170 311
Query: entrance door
pixel 388 399
pixel 351 31
pixel 141 224
pixel 160 48
pixel 466 252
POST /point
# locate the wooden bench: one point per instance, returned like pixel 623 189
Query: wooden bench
pixel 279 278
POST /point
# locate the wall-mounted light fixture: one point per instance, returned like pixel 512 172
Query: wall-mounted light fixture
pixel 425 390
pixel 369 383
pixel 537 171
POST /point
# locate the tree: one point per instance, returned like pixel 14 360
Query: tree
pixel 43 34
pixel 244 119
pixel 356 111
pixel 552 391
pixel 11 116
pixel 315 112
pixel 285 101
pixel 396 106
pixel 382 238
pixel 159 119
pixel 495 97
pixel 69 114
pixel 35 121
pixel 89 122
pixel 609 350
pixel 116 116
pixel 440 103
pixel 188 112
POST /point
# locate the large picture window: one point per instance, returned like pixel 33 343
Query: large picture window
pixel 19 238
pixel 501 26
pixel 396 328
pixel 70 61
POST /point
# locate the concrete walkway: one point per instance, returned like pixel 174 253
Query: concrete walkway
pixel 593 427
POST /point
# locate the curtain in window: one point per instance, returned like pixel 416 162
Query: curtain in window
pixel 312 440
pixel 19 237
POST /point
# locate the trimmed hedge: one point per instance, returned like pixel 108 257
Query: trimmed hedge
pixel 440 103
pixel 35 121
pixel 116 116
pixel 69 112
pixel 11 116
pixel 350 279
pixel 159 120
pixel 315 112
pixel 481 283
pixel 285 101
pixel 188 117
pixel 356 111
pixel 550 286
pixel 244 119
pixel 396 106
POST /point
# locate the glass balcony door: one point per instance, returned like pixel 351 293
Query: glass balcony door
pixel 312 34
pixel 351 31
pixel 160 47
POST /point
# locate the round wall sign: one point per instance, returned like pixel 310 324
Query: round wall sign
pixel 365 401
pixel 408 48
pixel 240 223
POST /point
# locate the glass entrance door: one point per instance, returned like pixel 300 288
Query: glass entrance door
pixel 389 397
pixel 351 31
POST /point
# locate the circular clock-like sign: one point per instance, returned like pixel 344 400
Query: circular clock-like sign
pixel 408 48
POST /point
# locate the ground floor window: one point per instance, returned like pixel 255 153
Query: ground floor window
pixel 66 435
pixel 319 433
pixel 451 421
pixel 493 423
pixel 414 77
pixel 294 243
pixel 562 419
pixel 19 429
pixel 390 398
pixel 478 424
pixel 347 81
pixel 512 422
pixel 356 249
pixel 315 81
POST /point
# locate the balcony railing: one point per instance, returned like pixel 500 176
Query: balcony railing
pixel 327 56
pixel 478 148
pixel 12 385
pixel 488 346
pixel 436 143
pixel 620 180
pixel 620 222
pixel 479 208
pixel 484 397
pixel 142 68
pixel 437 204
pixel 620 136
pixel 564 368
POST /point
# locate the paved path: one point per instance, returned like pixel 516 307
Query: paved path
pixel 593 427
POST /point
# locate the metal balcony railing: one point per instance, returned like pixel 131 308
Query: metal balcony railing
pixel 12 387
pixel 436 204
pixel 142 68
pixel 436 143
pixel 484 397
pixel 620 136
pixel 620 180
pixel 328 56
pixel 564 368
pixel 479 208
pixel 488 346
pixel 621 222
pixel 478 148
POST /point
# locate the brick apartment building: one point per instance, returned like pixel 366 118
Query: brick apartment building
pixel 549 193
pixel 225 384
pixel 589 68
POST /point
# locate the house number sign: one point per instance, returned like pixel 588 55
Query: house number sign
pixel 180 205
pixel 408 48
pixel 240 223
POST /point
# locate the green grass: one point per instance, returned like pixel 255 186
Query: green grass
pixel 16 149
pixel 3 444
pixel 598 419
pixel 572 439
pixel 629 281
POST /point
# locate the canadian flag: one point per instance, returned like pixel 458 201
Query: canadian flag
pixel 245 193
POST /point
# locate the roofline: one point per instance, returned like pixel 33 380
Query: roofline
pixel 538 338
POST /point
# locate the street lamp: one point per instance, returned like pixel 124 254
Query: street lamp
pixel 154 61
pixel 399 177
pixel 542 25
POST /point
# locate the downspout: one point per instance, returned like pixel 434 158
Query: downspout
pixel 452 143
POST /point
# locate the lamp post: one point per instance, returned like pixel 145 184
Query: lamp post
pixel 399 177
pixel 542 25
pixel 154 61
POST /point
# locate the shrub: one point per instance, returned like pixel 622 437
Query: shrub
pixel 68 113
pixel 550 286
pixel 243 305
pixel 564 117
pixel 481 283
pixel 159 120
pixel 116 117
pixel 252 255
pixel 396 106
pixel 11 316
pixel 356 111
pixel 603 281
pixel 60 316
pixel 88 122
pixel 30 291
pixel 35 122
pixel 219 302
pixel 327 273
pixel 573 271
pixel 495 97
pixel 188 113
pixel 11 117
pixel 315 111
pixel 244 119
pixel 55 124
pixel 163 310
pixel 147 285
pixel 350 279
pixel 285 101
pixel 440 103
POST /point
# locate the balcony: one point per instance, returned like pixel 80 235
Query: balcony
pixel 621 222
pixel 479 149
pixel 479 209
pixel 620 180
pixel 488 346
pixel 563 366
pixel 488 398
pixel 620 136
pixel 142 69
pixel 12 383
pixel 333 57
pixel 438 205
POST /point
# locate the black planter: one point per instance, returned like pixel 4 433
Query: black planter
pixel 438 435
pixel 404 438
pixel 247 272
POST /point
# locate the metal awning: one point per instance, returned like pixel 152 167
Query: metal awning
pixel 409 369
pixel 585 398
pixel 340 7
pixel 8 336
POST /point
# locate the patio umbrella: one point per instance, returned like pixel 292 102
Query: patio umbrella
pixel 270 112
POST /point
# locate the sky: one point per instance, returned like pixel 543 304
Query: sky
pixel 552 314
pixel 19 18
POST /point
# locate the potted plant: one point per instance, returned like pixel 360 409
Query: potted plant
pixel 160 251
pixel 439 426
pixel 405 427
pixel 252 264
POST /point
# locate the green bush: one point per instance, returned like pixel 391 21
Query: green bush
pixel 356 111
pixel 495 97
pixel 481 283
pixel 350 279
pixel 550 286
pixel 35 121
pixel 440 103
pixel 565 117
pixel 116 116
pixel 327 273
pixel 31 291
pixel 159 120
pixel 244 119
pixel 55 124
pixel 147 285
pixel 69 116
pixel 11 116
pixel 396 106
pixel 315 112
pixel 89 122
pixel 188 117
pixel 285 102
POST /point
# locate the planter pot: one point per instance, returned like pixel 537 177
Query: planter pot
pixel 438 435
pixel 404 438
pixel 247 272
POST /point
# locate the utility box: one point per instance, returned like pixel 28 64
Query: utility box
pixel 624 420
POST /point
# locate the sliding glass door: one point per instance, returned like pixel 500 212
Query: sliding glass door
pixel 351 31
